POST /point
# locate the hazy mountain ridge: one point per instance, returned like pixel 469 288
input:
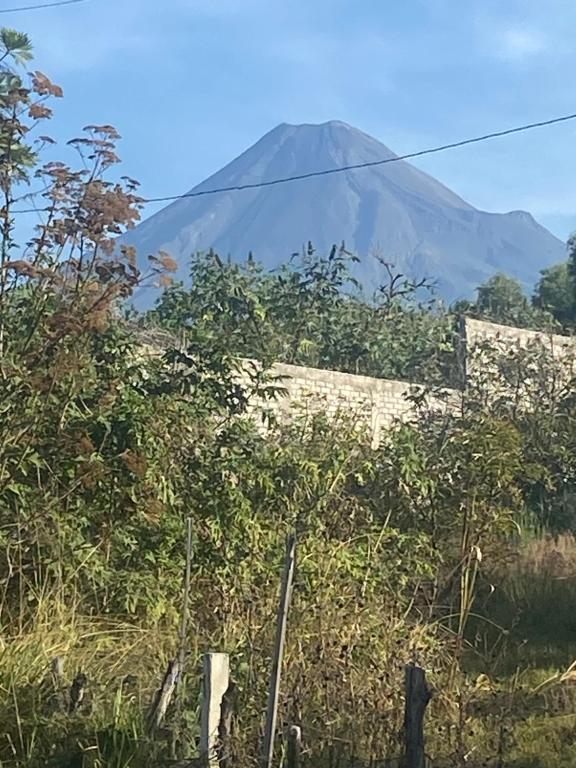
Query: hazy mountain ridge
pixel 409 217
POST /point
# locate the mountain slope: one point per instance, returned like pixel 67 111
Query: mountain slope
pixel 407 216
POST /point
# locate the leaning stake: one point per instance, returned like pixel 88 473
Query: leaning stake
pixel 186 601
pixel 282 621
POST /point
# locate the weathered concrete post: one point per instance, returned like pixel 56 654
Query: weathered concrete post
pixel 215 684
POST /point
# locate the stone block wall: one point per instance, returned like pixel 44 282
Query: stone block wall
pixel 378 403
pixel 370 402
pixel 477 331
pixel 561 350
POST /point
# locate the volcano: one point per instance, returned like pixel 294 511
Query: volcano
pixel 394 211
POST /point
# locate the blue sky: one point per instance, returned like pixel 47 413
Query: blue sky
pixel 192 83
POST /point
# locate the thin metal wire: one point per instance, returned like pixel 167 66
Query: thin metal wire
pixel 352 167
pixel 40 6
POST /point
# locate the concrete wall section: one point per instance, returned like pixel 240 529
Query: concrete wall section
pixel 375 403
pixel 378 403
pixel 477 331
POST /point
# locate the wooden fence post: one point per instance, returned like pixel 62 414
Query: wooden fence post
pixel 281 624
pixel 216 684
pixel 418 695
pixel 77 692
pixel 183 650
pixel 186 600
pixel 164 695
pixel 294 747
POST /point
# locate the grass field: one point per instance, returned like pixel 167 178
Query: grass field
pixel 513 705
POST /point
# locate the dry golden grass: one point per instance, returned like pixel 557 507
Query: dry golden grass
pixel 553 557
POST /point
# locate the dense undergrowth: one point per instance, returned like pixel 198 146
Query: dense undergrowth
pixel 416 551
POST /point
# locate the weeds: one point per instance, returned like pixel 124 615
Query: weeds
pixel 105 453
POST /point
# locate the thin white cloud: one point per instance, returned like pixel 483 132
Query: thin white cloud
pixel 518 43
pixel 512 36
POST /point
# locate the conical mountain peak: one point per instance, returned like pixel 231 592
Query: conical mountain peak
pixel 412 219
pixel 329 125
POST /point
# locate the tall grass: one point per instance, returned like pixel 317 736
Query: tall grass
pixel 121 662
pixel 342 680
pixel 531 603
pixel 540 583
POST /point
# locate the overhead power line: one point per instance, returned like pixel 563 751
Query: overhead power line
pixel 358 166
pixel 38 7
pixel 352 167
